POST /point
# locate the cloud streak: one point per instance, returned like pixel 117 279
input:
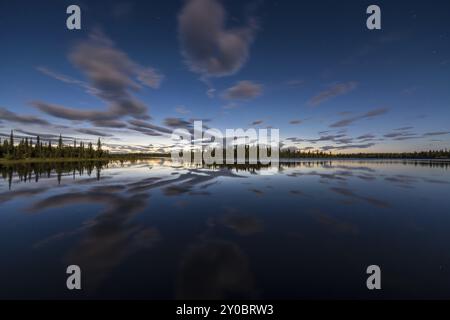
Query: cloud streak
pixel 348 121
pixel 332 92
pixel 148 128
pixel 23 119
pixel 349 146
pixel 243 90
pixel 93 132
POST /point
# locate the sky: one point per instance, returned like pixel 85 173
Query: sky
pixel 139 69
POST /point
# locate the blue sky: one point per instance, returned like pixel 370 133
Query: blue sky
pixel 138 69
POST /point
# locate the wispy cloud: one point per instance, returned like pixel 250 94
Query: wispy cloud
pixel 332 92
pixel 367 136
pixel 348 146
pixel 405 135
pixel 112 76
pixel 109 123
pixel 403 128
pixel 177 123
pixel 243 90
pixel 367 115
pixel 45 136
pixel 257 122
pixel 182 110
pixel 24 119
pixel 148 128
pixel 399 134
pixel 436 133
pixel 93 132
pixel 295 139
pixel 231 105
pixel 62 77
pixel 59 111
pixel 295 83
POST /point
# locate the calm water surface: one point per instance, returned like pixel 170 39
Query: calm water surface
pixel 157 230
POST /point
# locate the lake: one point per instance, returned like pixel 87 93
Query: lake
pixel 155 229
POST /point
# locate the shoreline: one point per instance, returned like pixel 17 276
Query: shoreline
pixel 362 159
pixel 50 160
pixel 135 158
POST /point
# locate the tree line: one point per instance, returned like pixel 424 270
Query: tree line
pixel 317 154
pixel 38 149
pixel 430 154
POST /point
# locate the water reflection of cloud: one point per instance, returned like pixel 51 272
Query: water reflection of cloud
pixel 215 269
pixel 212 267
pixel 108 188
pixel 349 193
pixel 242 224
pixel 408 181
pixel 109 237
pixel 402 179
pixel 185 182
pixel 176 190
pixel 29 192
pixel 257 191
pixel 327 176
pixel 435 181
pixel 367 177
pixel 334 224
pixel 351 168
pixel 297 193
pixel 200 193
pixel 91 180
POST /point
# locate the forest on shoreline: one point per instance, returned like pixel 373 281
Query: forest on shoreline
pixel 37 150
pixel 428 155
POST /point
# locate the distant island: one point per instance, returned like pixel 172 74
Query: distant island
pixel 38 151
pixel 430 154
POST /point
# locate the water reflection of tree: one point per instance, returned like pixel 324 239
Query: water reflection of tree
pixel 35 171
pixel 290 163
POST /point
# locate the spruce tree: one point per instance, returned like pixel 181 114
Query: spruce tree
pixel 99 148
pixel 60 146
pixel 11 144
